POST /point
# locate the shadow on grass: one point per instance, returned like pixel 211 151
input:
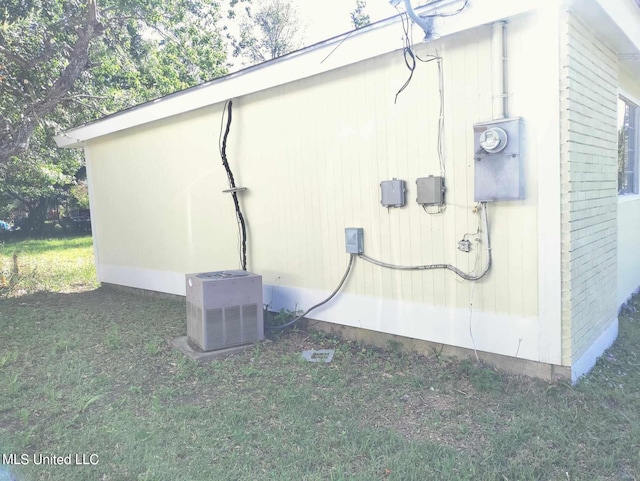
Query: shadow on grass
pixel 92 372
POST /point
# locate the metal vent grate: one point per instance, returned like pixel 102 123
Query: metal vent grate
pixel 214 329
pixel 232 326
pixel 250 320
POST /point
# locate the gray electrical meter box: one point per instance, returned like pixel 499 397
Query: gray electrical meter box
pixel 354 237
pixel 498 160
pixel 430 190
pixel 392 193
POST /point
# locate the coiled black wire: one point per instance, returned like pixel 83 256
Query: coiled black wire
pixel 232 184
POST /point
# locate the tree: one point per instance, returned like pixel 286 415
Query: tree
pixel 34 184
pixel 359 18
pixel 271 31
pixel 148 48
pixel 64 63
pixel 41 56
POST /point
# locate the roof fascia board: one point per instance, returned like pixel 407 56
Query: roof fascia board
pixel 626 15
pixel 614 21
pixel 347 49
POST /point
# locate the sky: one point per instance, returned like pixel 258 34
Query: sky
pixel 328 18
pixel 323 19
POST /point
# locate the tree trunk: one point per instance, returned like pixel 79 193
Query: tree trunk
pixel 14 139
pixel 34 224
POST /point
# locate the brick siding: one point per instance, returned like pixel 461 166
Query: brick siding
pixel 588 104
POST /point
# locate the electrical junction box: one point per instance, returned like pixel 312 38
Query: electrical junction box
pixel 430 190
pixel 224 309
pixel 464 245
pixel 354 237
pixel 497 160
pixel 392 193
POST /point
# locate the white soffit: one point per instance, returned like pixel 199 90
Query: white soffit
pixel 377 39
pixel 626 15
pixel 617 22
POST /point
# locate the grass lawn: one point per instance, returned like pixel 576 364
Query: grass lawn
pixel 87 370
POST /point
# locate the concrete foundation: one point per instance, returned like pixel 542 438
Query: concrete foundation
pixel 507 364
pixel 183 345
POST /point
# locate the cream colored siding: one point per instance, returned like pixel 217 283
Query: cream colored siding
pixel 628 216
pixel 312 138
pixel 153 188
pixel 589 92
pixel 312 154
pixel 327 142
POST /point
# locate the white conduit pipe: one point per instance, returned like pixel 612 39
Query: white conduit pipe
pixel 499 70
pixel 424 23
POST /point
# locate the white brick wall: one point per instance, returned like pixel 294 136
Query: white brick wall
pixel 588 103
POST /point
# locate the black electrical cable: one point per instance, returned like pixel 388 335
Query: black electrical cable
pixel 451 14
pixel 410 62
pixel 409 55
pixel 232 183
pixel 337 289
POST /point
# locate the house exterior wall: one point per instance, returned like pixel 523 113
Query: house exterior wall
pixel 152 188
pixel 589 90
pixel 312 154
pixel 628 215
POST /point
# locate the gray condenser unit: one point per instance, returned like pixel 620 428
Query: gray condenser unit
pixel 224 309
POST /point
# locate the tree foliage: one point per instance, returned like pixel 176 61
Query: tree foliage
pixel 359 18
pixel 33 184
pixel 66 62
pixel 56 53
pixel 269 31
pixel 44 47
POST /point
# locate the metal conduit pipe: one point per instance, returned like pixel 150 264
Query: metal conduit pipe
pixel 465 275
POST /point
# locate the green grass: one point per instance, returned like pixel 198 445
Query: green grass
pixel 88 370
pixel 60 265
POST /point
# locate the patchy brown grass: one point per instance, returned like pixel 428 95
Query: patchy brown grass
pixel 92 371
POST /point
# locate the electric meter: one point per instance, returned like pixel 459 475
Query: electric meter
pixel 498 172
pixel 493 140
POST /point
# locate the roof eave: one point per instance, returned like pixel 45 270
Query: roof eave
pixel 377 39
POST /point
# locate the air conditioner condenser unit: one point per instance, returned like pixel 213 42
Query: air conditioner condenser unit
pixel 224 309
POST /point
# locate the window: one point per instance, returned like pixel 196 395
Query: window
pixel 627 147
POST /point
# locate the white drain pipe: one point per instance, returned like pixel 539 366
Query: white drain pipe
pixel 499 73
